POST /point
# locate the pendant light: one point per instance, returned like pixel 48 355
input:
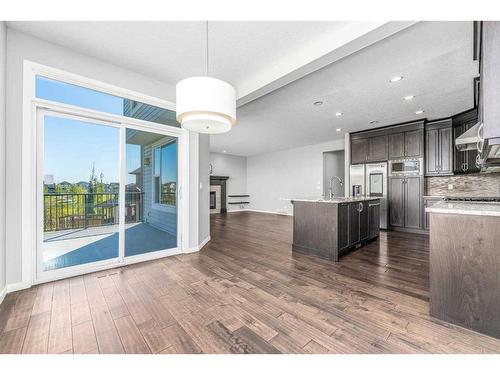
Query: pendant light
pixel 206 104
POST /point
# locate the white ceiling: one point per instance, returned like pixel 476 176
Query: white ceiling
pixel 435 59
pixel 258 57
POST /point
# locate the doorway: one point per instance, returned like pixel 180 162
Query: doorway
pixel 107 193
pixel 333 165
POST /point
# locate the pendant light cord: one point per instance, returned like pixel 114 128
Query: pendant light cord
pixel 206 44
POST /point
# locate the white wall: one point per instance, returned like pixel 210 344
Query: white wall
pixel 21 46
pixel 3 40
pixel 293 173
pixel 204 199
pixel 236 168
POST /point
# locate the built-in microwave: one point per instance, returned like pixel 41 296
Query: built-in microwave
pixel 406 167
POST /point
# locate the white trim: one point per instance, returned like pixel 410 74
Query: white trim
pixel 3 293
pixel 29 173
pixel 265 212
pixel 197 248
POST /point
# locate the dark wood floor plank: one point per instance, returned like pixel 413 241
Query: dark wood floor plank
pixel 37 336
pixel 131 338
pixel 244 292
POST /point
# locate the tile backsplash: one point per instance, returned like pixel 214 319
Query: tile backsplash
pixel 473 185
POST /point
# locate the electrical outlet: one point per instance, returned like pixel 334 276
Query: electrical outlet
pixel 450 186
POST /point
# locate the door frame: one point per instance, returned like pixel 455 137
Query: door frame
pixel 43 108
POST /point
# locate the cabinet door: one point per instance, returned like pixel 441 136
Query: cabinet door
pixel 359 150
pixel 446 151
pixel 396 146
pixel 413 202
pixel 460 158
pixel 354 223
pixel 413 143
pixel 396 201
pixel 373 219
pixel 363 221
pixel 378 148
pixel 432 152
pixel 343 227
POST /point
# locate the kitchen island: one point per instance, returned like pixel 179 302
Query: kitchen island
pixel 465 264
pixel 328 228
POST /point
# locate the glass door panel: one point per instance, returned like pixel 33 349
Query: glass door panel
pixel 81 185
pixel 150 192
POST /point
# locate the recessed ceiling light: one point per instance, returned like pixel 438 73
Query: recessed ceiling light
pixel 396 79
pixel 338 129
pixel 338 114
pixel 373 122
pixel 409 97
pixel 419 111
pixel 224 151
pixel 319 102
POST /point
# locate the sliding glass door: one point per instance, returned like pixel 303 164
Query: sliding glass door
pixel 108 192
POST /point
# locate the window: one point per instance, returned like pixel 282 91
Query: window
pixel 165 174
pixel 67 93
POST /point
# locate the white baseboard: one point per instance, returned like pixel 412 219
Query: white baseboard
pixel 270 212
pixel 17 286
pixel 3 293
pixel 194 249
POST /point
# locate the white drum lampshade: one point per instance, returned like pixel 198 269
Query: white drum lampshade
pixel 205 105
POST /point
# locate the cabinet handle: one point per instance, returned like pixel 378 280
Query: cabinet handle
pixel 361 207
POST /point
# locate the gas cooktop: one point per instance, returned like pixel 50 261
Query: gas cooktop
pixel 472 199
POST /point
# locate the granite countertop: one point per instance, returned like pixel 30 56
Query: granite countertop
pixel 465 208
pixel 335 200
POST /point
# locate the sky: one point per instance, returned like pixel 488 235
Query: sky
pixel 71 146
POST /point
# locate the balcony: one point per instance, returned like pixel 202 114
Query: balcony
pixel 84 228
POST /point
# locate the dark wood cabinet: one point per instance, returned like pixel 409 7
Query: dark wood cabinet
pixel 363 221
pixel 378 148
pixel 373 219
pixel 396 202
pixel 439 148
pixel 413 143
pixel 354 236
pixel 359 150
pixel 413 202
pixel 396 146
pixel 405 202
pixel 464 161
pixel 343 227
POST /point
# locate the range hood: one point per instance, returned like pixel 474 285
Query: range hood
pixel 468 140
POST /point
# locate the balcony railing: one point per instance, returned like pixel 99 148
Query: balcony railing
pixel 64 211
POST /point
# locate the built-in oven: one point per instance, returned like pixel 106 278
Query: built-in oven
pixel 406 167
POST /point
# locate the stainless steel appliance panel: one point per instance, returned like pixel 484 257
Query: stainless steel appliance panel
pixel 376 186
pixel 356 179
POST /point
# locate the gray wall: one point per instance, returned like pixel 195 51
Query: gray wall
pixel 162 219
pixel 274 177
pixel 21 46
pixel 3 40
pixel 236 168
pixel 333 165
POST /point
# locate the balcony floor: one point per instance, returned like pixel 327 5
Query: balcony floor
pixel 79 246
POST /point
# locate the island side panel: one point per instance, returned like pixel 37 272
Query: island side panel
pixel 315 229
pixel 465 271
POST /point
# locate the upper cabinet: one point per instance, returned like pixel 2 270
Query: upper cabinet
pixel 393 142
pixel 378 148
pixel 359 150
pixel 439 148
pixel 464 161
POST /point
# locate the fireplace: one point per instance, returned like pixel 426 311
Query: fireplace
pixel 218 188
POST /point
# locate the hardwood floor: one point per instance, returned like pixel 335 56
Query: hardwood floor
pixel 243 293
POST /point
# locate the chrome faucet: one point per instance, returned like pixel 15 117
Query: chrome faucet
pixel 330 189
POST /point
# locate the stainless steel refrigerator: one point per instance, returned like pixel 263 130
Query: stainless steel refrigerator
pixel 371 180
